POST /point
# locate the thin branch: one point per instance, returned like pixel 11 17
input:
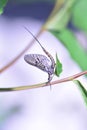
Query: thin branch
pixel 21 53
pixel 22 87
pixel 70 78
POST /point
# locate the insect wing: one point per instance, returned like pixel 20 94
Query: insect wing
pixel 40 61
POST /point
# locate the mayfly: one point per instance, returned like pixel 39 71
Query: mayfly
pixel 41 61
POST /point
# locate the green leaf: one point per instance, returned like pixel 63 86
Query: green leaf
pixel 1 10
pixel 2 5
pixel 58 68
pixel 82 90
pixel 76 51
pixel 79 15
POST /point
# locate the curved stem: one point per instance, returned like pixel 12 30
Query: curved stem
pixel 70 78
pixel 21 53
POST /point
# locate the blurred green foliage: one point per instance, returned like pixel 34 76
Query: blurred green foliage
pixel 74 12
pixel 82 90
pixel 2 5
pixel 76 51
pixel 79 15
pixel 65 12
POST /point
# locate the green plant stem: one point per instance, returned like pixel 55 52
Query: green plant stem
pixel 70 78
pixel 21 53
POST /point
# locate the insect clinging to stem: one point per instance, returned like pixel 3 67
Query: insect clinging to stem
pixel 41 61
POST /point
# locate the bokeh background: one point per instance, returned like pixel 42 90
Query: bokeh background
pixel 41 109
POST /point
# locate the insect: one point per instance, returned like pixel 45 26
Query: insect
pixel 40 61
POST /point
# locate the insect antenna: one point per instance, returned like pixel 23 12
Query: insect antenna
pixel 46 52
pixel 33 36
